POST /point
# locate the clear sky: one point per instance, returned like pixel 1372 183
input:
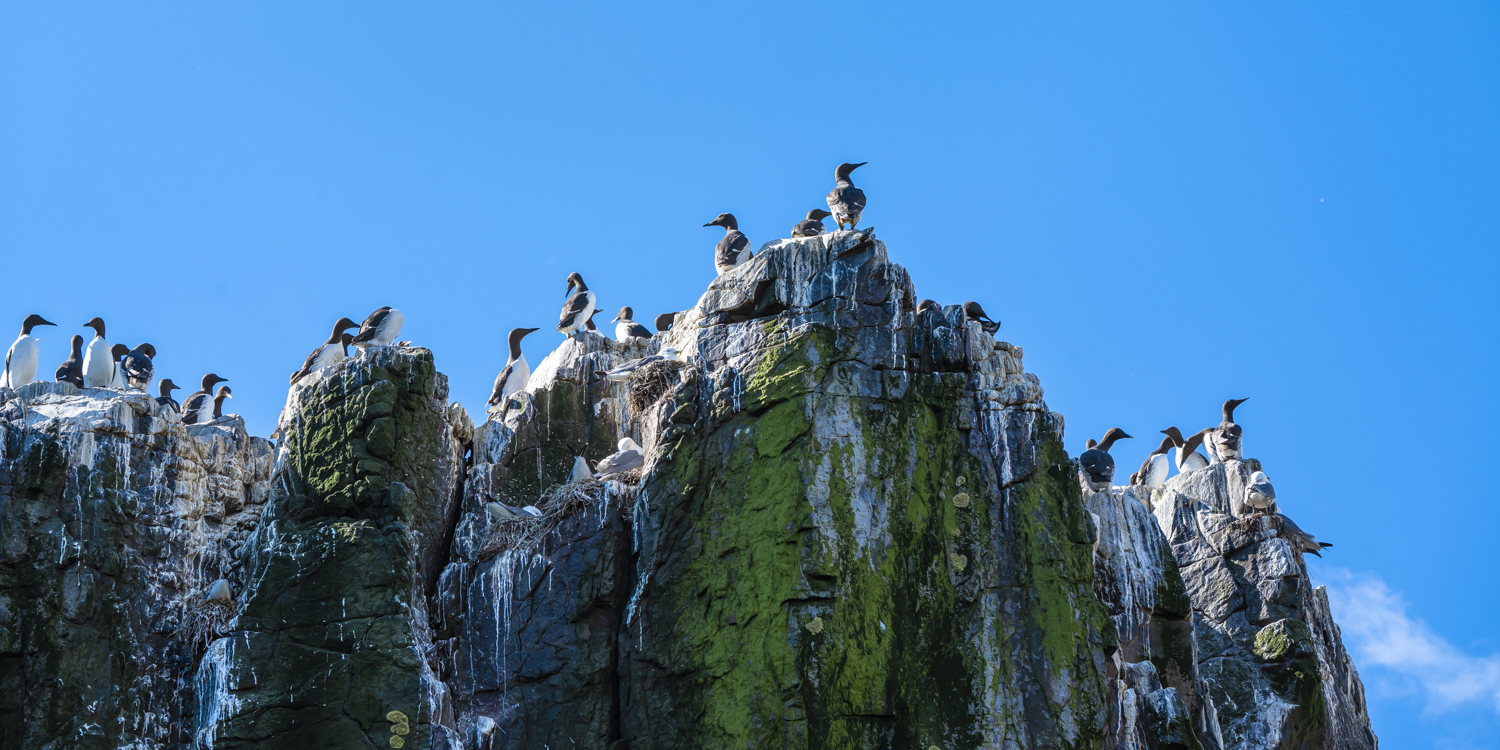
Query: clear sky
pixel 1168 204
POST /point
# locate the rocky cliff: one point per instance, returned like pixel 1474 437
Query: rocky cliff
pixel 856 527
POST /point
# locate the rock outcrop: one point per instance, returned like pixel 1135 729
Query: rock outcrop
pixel 856 527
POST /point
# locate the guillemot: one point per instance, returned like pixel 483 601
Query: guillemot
pixel 1227 440
pixel 219 401
pixel 846 201
pixel 330 353
pixel 627 456
pixel 21 358
pixel 733 248
pixel 1098 466
pixel 513 378
pixel 380 329
pixel 138 366
pixel 974 312
pixel 164 394
pixel 117 376
pixel 928 305
pixel 580 305
pixel 625 328
pixel 589 326
pixel 98 365
pixel 71 370
pixel 812 226
pixel 664 321
pixel 1188 457
pixel 1154 469
pixel 199 404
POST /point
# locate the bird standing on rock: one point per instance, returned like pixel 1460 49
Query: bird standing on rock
pixel 1098 466
pixel 513 378
pixel 734 248
pixel 625 328
pixel 117 376
pixel 71 370
pixel 380 329
pixel 164 394
pixel 1154 470
pixel 664 322
pixel 219 401
pixel 21 358
pixel 199 404
pixel 846 201
pixel 330 353
pixel 812 226
pixel 589 326
pixel 578 309
pixel 138 367
pixel 1188 457
pixel 974 312
pixel 98 365
pixel 1227 440
pixel 1303 540
pixel 1260 494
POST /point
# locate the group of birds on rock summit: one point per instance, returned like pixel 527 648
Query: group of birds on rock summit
pixel 1224 442
pixel 101 364
pixel 845 204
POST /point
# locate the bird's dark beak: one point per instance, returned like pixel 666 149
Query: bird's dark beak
pixel 1124 437
pixel 857 166
pixel 711 224
pixel 46 323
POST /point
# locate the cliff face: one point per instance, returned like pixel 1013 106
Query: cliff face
pixel 856 528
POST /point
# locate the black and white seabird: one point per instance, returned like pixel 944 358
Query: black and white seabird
pixel 1188 457
pixel 1227 440
pixel 580 470
pixel 71 370
pixel 513 378
pixel 1294 534
pixel 331 352
pixel 664 321
pixel 117 377
pixel 734 248
pixel 589 326
pixel 580 306
pixel 138 367
pixel 846 201
pixel 1098 466
pixel 98 365
pixel 219 401
pixel 625 328
pixel 197 407
pixel 164 394
pixel 1154 469
pixel 623 372
pixel 627 456
pixel 1260 494
pixel 499 512
pixel 812 226
pixel 974 312
pixel 380 329
pixel 21 358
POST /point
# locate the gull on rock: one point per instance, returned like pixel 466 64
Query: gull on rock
pixel 733 248
pixel 812 226
pixel 98 365
pixel 625 328
pixel 625 371
pixel 199 404
pixel 380 329
pixel 332 352
pixel 1188 457
pixel 21 359
pixel 220 592
pixel 501 512
pixel 1260 494
pixel 71 370
pixel 516 372
pixel 627 456
pixel 1098 466
pixel 1305 541
pixel 846 201
pixel 138 367
pixel 578 308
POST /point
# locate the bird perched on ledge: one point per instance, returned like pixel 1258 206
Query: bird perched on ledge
pixel 137 366
pixel 1227 441
pixel 1188 457
pixel 380 329
pixel 117 376
pixel 1154 470
pixel 98 366
pixel 846 201
pixel 198 405
pixel 733 248
pixel 1260 494
pixel 623 372
pixel 1098 466
pixel 625 328
pixel 1303 540
pixel 219 401
pixel 513 378
pixel 974 312
pixel 812 226
pixel 628 455
pixel 664 321
pixel 164 394
pixel 21 358
pixel 71 370
pixel 330 353
pixel 578 308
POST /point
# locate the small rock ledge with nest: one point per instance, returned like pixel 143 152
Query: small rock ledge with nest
pixel 558 504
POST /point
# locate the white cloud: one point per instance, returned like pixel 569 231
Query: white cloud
pixel 1378 631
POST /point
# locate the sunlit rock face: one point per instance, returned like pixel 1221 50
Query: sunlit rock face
pixel 856 527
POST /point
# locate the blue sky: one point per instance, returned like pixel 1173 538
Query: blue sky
pixel 1168 204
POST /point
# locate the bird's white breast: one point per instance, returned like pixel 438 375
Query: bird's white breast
pixel 328 355
pixel 98 368
pixel 389 328
pixel 520 373
pixel 23 359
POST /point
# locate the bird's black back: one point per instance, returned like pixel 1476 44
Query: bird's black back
pixel 1099 465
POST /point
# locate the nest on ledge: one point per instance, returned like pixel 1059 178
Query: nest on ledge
pixel 205 621
pixel 650 383
pixel 559 503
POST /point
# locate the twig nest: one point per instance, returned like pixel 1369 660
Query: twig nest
pixel 961 500
pixel 816 626
pixel 958 561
